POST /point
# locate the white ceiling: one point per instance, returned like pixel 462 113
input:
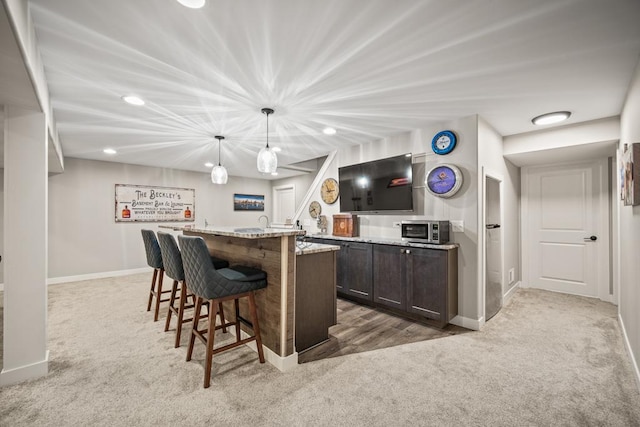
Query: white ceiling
pixel 369 68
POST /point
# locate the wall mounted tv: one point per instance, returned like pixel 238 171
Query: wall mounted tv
pixel 379 186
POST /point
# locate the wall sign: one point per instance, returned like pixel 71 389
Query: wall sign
pixel 630 175
pixel 143 203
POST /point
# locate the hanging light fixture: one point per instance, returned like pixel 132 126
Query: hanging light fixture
pixel 219 173
pixel 267 158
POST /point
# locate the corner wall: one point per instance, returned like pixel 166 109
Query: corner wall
pixel 629 222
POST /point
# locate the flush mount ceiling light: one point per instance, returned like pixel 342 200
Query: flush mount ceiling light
pixel 109 151
pixel 133 100
pixel 193 4
pixel 276 149
pixel 209 164
pixel 550 118
pixel 329 131
pixel 267 158
pixel 219 173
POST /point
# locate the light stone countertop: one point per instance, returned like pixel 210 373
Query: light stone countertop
pixel 386 241
pixel 305 248
pixel 242 232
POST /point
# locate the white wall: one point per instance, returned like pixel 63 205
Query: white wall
pixel 490 158
pixel 629 221
pixel 83 235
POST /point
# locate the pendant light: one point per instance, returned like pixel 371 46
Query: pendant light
pixel 267 158
pixel 219 173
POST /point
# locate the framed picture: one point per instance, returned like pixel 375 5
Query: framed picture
pixel 248 202
pixel 630 175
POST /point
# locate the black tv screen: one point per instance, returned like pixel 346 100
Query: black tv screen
pixel 377 186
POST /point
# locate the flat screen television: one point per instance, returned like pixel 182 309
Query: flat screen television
pixel 379 186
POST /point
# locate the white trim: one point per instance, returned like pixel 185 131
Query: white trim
pixel 26 372
pixel 92 276
pixel 627 346
pixel 510 293
pixel 468 323
pixel 302 207
pixel 283 364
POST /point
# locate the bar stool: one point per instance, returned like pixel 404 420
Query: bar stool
pixel 154 259
pixel 172 261
pixel 209 284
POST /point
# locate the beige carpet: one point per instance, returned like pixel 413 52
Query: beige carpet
pixel 545 359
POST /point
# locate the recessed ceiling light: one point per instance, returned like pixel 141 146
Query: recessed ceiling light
pixel 193 4
pixel 274 173
pixel 209 164
pixel 133 100
pixel 329 131
pixel 276 149
pixel 549 118
pixel 109 151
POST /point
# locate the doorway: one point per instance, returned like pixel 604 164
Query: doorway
pixel 565 216
pixel 493 247
pixel 284 204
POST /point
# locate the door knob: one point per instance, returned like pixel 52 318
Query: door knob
pixel 592 238
pixel 492 226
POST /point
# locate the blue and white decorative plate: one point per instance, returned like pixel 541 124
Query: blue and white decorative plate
pixel 444 142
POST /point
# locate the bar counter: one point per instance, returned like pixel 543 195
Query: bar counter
pixel 274 251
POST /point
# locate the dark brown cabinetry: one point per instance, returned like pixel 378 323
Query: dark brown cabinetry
pixel 389 276
pixel 421 283
pixel 355 275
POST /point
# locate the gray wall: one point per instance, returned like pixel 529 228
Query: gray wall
pixel 83 235
pixel 491 160
pixel 630 230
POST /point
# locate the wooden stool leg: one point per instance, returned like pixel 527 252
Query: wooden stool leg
pixel 174 289
pixel 221 312
pixel 196 318
pixel 183 298
pixel 210 335
pixel 158 296
pixel 153 288
pixel 256 326
pixel 237 307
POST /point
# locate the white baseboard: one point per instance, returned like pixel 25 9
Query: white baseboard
pixel 283 364
pixel 510 293
pixel 24 373
pixel 92 276
pixel 627 344
pixel 468 323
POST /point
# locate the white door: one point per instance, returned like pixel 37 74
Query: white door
pixel 567 229
pixel 284 204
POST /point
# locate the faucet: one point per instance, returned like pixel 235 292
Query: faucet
pixel 265 217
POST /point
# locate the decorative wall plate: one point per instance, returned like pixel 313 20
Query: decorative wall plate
pixel 444 180
pixel 444 142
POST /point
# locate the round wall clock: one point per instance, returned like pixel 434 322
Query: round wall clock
pixel 329 191
pixel 444 180
pixel 444 142
pixel 315 209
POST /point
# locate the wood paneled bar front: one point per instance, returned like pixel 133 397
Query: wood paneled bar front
pixel 273 251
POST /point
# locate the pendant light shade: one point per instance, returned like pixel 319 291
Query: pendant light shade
pixel 219 173
pixel 267 158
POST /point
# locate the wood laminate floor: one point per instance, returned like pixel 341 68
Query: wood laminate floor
pixel 361 328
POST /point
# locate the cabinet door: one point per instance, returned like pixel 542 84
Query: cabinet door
pixel 342 268
pixel 389 282
pixel 427 283
pixel 357 270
